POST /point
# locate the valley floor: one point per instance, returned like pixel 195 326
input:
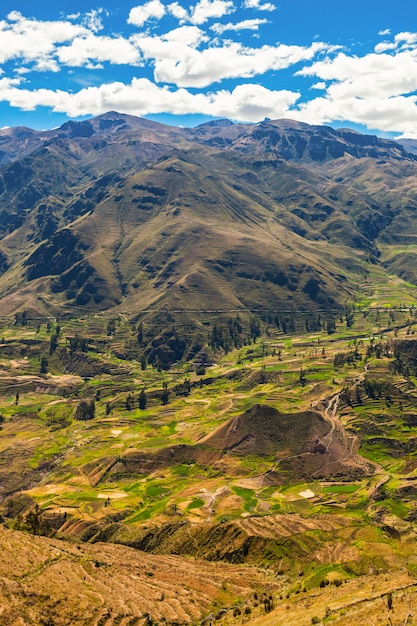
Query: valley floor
pixel 274 486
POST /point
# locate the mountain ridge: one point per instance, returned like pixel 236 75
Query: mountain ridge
pixel 244 215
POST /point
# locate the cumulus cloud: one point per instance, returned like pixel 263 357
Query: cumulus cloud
pixel 201 12
pixel 46 46
pixel 370 76
pixel 187 35
pixel 32 40
pixel 207 9
pixel 377 90
pixel 384 46
pixel 141 97
pixel 257 4
pixel 401 41
pixel 93 20
pixel 244 25
pixel 141 14
pixel 178 11
pixel 186 66
pixel 83 50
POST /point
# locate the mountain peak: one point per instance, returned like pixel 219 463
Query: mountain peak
pixel 220 123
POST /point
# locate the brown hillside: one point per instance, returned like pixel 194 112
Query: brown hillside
pixel 45 581
pixel 127 214
pixel 303 444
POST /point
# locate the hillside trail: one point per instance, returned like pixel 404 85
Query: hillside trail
pixel 328 408
pixel 330 414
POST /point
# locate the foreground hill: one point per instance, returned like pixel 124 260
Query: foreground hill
pixel 54 582
pixel 126 214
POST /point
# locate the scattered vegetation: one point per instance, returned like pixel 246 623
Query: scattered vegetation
pixel 194 448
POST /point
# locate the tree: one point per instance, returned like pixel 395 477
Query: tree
pixel 255 328
pixel 33 520
pixel 165 396
pixel 142 400
pixel 129 402
pixel 78 344
pixel 21 317
pixel 53 342
pixel 111 327
pixel 44 365
pixel 140 334
pixel 86 410
pixel 331 326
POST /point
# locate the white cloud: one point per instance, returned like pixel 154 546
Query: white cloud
pixel 387 31
pixel 320 86
pixel 14 16
pixel 141 14
pixel 377 90
pixel 187 35
pixel 207 9
pixel 32 40
pixel 244 25
pixel 406 38
pixel 93 20
pixel 83 50
pixel 252 103
pixel 384 46
pixel 256 4
pixel 44 45
pixel 141 97
pixel 397 114
pixel 185 66
pixel 178 11
pixel 373 75
pixel 201 12
pixel 402 41
pixel 46 65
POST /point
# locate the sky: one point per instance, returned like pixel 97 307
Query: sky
pixel 343 64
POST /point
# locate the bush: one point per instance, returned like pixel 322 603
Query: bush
pixel 86 410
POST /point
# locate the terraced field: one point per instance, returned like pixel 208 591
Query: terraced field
pixel 295 452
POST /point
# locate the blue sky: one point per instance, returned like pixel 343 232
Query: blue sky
pixel 338 63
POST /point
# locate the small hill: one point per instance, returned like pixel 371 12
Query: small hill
pixel 304 443
pixel 301 444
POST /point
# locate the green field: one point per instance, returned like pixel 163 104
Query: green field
pixel 211 450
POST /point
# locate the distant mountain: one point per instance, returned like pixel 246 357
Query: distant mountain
pixel 123 213
pixel 408 144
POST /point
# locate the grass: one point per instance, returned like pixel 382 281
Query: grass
pixel 341 488
pixel 196 503
pixel 46 420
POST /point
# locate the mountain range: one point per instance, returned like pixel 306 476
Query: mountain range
pixel 124 214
